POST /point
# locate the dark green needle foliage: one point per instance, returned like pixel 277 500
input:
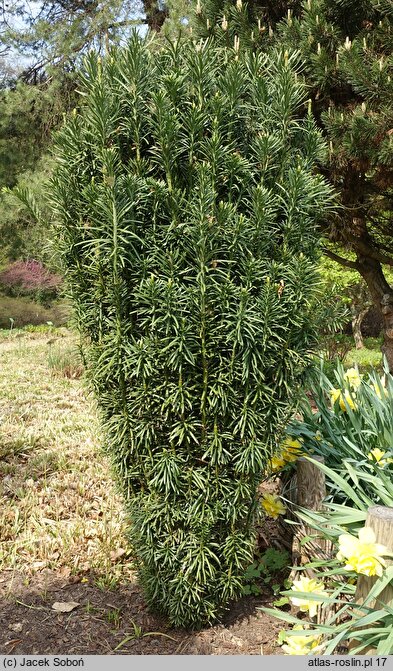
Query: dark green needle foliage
pixel 188 204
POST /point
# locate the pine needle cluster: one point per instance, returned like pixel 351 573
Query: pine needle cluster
pixel 188 203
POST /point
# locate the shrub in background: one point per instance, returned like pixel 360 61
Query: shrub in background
pixel 187 200
pixel 19 312
pixel 30 278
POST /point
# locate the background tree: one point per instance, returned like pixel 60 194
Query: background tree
pixel 42 44
pixel 55 34
pixel 347 49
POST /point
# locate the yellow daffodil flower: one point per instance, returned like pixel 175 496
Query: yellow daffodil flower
pixel 313 587
pixel 301 645
pixel 378 455
pixel 377 389
pixel 276 464
pixel 345 399
pixel 272 505
pixel 363 555
pixel 353 378
pixel 335 394
pixel 291 449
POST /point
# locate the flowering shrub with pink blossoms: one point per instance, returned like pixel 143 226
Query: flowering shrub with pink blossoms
pixel 30 278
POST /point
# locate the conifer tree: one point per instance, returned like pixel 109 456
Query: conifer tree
pixel 188 204
pixel 53 35
pixel 347 50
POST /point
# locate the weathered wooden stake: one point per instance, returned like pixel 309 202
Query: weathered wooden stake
pixel 311 491
pixel 380 519
pixel 311 486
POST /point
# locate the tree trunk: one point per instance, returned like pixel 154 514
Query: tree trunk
pixel 357 318
pixel 382 297
pixel 359 238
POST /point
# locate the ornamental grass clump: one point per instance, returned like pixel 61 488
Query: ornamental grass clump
pixel 187 202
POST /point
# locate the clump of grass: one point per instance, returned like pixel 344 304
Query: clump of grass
pixel 65 361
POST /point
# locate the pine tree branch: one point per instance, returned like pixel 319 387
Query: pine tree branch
pixel 339 259
pixel 368 251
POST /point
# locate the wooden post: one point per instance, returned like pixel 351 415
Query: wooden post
pixel 311 486
pixel 380 519
pixel 311 491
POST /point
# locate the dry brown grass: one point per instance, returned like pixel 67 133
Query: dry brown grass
pixel 58 505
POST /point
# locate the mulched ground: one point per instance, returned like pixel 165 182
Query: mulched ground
pixel 104 619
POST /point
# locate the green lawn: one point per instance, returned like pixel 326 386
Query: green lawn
pixel 58 505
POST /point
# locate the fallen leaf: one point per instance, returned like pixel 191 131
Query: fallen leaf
pixel 64 606
pixel 65 572
pixel 18 626
pixel 116 554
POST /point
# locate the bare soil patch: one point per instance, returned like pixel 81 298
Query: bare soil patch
pixel 117 621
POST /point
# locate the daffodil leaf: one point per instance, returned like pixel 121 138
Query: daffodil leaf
pixel 332 645
pixel 385 647
pixel 281 615
pixel 310 596
pixel 374 616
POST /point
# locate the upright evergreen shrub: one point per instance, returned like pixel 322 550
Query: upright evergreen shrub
pixel 188 206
